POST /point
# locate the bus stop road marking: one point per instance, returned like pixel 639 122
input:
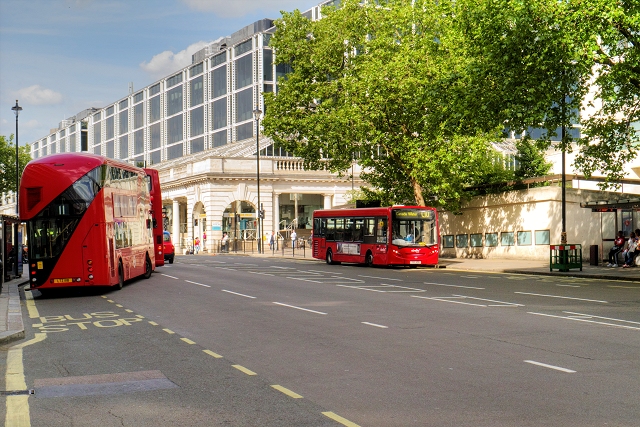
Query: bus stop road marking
pixel 544 365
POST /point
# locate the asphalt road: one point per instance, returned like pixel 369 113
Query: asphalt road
pixel 345 345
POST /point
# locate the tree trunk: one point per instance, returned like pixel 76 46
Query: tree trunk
pixel 417 191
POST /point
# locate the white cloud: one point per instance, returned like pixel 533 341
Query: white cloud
pixel 167 62
pixel 239 8
pixel 37 95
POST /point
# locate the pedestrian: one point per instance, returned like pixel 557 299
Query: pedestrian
pixel 629 250
pixel 225 242
pixel 272 240
pixel 196 245
pixel 293 239
pixel 618 246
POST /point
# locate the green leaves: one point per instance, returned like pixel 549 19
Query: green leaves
pixel 8 162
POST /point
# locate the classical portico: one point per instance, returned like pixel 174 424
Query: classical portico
pixel 216 191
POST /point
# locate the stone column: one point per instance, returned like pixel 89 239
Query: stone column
pixel 175 226
pixel 275 212
pixel 327 201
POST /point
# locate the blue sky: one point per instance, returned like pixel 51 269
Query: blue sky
pixel 59 57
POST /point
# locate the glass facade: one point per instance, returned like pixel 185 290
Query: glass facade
pixel 197 121
pixel 244 71
pixel 174 101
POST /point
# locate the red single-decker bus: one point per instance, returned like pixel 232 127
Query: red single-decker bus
pixel 88 221
pixel 153 180
pixel 397 235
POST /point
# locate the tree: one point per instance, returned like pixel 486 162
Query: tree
pixel 531 161
pixel 8 162
pixel 384 80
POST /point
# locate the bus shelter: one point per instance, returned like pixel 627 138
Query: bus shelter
pixel 10 248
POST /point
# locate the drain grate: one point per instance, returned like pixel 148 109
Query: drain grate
pixel 17 392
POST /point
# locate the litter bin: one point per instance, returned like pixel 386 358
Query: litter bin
pixel 594 258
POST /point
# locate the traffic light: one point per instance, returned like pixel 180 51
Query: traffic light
pixel 261 214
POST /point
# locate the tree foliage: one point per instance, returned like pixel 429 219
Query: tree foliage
pixel 384 82
pixel 8 162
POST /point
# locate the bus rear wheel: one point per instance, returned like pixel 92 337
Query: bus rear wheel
pixel 120 276
pixel 148 269
pixel 368 259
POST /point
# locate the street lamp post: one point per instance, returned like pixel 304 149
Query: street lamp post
pixel 16 109
pixel 256 114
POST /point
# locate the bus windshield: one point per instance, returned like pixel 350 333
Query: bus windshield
pixel 413 227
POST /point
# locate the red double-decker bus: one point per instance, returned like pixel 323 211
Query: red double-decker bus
pixel 397 235
pixel 155 194
pixel 88 219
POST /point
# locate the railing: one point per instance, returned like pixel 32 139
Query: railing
pixel 281 247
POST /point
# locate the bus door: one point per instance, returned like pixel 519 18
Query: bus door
pixel 382 229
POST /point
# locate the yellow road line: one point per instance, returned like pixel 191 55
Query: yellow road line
pixel 211 353
pixel 243 369
pixel 188 341
pixel 31 306
pixel 103 296
pixel 119 305
pixel 111 301
pixel 169 331
pixel 153 323
pixel 338 418
pixel 17 414
pixel 137 315
pixel 287 391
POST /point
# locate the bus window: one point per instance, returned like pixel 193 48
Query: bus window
pixel 358 230
pixel 331 229
pixel 339 229
pixel 348 230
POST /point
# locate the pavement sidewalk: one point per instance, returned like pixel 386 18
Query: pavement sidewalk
pixel 11 326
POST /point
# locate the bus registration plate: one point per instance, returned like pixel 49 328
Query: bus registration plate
pixel 68 280
pixel 415 262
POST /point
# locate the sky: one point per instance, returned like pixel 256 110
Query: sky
pixel 60 57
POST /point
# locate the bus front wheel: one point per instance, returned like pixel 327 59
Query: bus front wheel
pixel 330 260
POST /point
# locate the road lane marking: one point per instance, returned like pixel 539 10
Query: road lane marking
pixel 376 325
pixel 243 369
pixel 128 311
pixel 236 293
pixel 623 287
pixel 169 331
pixel 17 406
pixel 211 353
pixel 500 303
pixel 454 297
pixel 559 296
pixel 338 418
pixel 601 317
pixel 119 305
pixel 452 286
pixel 31 306
pixel 544 365
pixel 170 277
pixel 299 308
pixel 304 280
pixel 111 301
pixel 287 391
pixel 570 286
pixel 187 340
pixel 582 318
pixel 153 323
pixel 199 284
pixel 449 299
pixel 380 278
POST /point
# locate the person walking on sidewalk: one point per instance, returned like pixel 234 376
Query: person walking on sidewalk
pixel 196 245
pixel 618 245
pixel 293 239
pixel 630 250
pixel 225 242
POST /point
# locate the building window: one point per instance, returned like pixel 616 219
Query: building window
pixel 62 133
pixel 138 97
pixel 220 138
pixel 197 121
pixel 524 238
pixel 244 105
pixel 282 70
pixel 138 116
pixel 447 241
pixel 155 157
pixel 267 65
pixel 476 240
pixel 124 147
pixel 197 145
pixel 542 237
pixel 72 142
pixel 174 151
pixel 219 82
pixel 462 240
pixel 154 109
pixel 174 129
pixel 244 47
pixel 124 122
pixel 244 131
pixel 155 89
pixel 507 238
pixel 110 110
pixel 97 116
pixel 123 104
pixel 174 97
pixel 138 142
pixel 97 133
pixel 244 71
pixel 110 149
pixel 155 136
pixel 196 69
pixel 62 145
pixel 219 119
pixel 174 80
pixel 109 128
pixel 218 59
pixel 491 240
pixel 197 93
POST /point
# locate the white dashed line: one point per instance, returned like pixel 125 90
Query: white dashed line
pixel 235 293
pixel 166 275
pixel 558 296
pixel 544 365
pixel 299 308
pixel 199 284
pixel 376 325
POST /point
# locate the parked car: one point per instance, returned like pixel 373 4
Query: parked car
pixel 169 249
